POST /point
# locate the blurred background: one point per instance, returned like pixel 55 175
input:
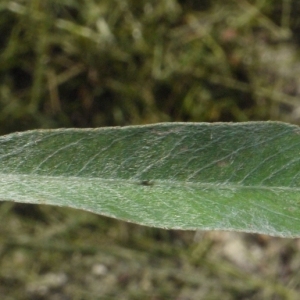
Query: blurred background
pixel 75 63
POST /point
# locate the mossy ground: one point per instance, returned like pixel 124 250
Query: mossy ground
pixel 97 63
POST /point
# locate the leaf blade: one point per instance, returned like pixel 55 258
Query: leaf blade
pixel 242 177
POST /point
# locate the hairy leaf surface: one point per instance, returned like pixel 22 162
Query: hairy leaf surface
pixel 228 176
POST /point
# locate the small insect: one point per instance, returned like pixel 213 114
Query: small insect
pixel 146 183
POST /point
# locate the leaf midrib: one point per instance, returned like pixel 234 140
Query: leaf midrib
pixel 159 183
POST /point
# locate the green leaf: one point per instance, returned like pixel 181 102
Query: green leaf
pixel 242 176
